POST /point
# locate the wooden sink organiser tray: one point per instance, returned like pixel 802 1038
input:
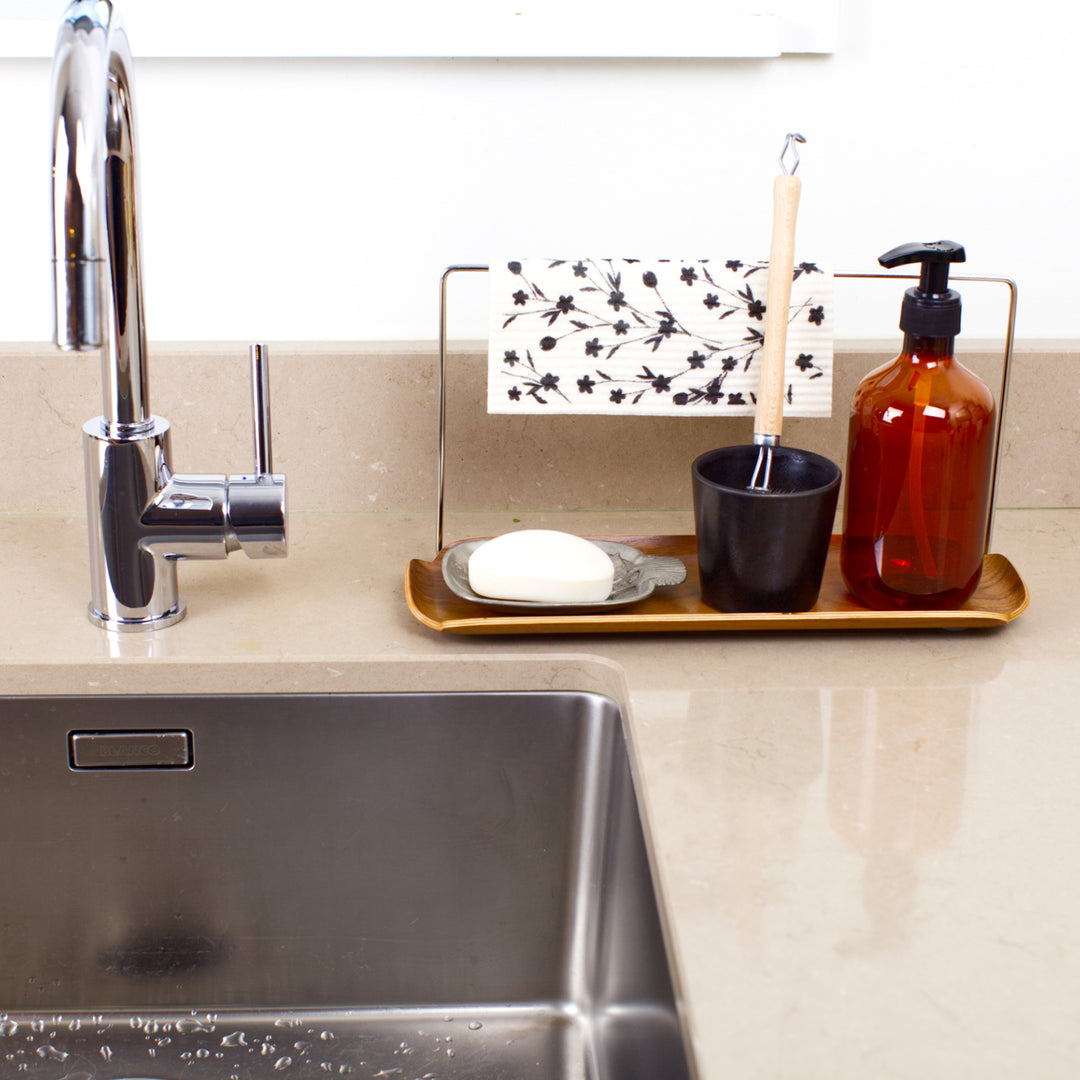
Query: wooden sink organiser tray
pixel 1000 597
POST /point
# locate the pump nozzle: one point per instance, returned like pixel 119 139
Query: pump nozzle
pixel 932 309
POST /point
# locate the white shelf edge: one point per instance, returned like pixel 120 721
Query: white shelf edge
pixel 705 31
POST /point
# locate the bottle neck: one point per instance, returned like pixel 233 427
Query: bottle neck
pixel 928 349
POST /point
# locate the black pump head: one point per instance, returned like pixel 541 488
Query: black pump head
pixel 931 309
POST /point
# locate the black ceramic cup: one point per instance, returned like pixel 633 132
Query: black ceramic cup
pixel 763 551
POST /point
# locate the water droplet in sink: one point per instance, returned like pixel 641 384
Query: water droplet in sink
pixel 237 1038
pixel 475 1025
pixel 326 1036
pixel 50 1053
pixel 8 1027
pixel 188 1024
pixel 282 1063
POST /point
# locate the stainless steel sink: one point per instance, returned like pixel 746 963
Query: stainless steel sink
pixel 391 886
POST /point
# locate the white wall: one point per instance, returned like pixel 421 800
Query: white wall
pixel 320 199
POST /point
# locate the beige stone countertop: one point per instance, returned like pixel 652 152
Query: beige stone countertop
pixel 866 842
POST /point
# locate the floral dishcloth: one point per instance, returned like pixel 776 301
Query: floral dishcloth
pixel 651 337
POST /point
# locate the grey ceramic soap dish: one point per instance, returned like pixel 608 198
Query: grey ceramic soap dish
pixel 636 576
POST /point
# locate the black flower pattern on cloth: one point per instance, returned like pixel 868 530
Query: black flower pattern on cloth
pixel 651 337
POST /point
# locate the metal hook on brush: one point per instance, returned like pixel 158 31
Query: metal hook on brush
pixel 791 143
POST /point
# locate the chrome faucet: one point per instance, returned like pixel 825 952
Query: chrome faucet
pixel 142 517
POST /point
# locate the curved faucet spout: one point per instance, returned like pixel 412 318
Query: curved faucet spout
pixel 142 518
pixel 95 208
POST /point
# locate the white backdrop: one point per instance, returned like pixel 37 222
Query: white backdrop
pixel 320 199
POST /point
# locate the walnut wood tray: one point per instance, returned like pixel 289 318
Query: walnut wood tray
pixel 1000 598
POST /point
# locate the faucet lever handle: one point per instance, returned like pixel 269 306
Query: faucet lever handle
pixel 260 406
pixel 256 504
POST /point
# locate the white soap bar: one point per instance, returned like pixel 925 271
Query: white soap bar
pixel 541 565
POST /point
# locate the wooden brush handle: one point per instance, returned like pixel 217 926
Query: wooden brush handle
pixel 769 414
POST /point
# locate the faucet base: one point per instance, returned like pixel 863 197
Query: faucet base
pixel 126 625
pixel 132 583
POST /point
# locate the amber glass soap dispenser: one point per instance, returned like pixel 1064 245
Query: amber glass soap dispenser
pixel 920 456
